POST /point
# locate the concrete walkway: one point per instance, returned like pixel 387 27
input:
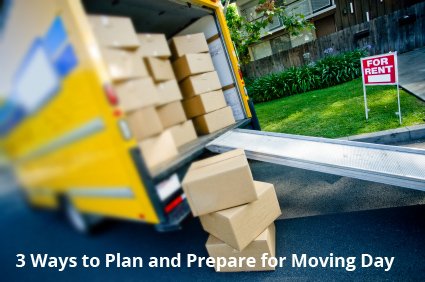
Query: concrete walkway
pixel 411 71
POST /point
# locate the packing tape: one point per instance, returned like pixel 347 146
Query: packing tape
pixel 227 87
pixel 212 38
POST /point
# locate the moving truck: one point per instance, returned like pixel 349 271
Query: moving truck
pixel 60 123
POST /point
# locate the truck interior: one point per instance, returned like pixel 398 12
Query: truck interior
pixel 150 16
pixel 170 17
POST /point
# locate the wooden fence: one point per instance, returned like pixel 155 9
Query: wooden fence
pixel 401 31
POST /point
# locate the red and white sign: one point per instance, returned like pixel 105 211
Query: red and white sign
pixel 380 69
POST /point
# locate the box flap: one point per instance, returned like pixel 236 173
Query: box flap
pixel 218 158
pixel 153 44
pixel 190 43
pixel 113 31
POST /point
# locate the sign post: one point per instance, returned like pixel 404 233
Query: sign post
pixel 380 70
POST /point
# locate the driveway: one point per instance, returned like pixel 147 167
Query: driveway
pixel 411 71
pixel 321 214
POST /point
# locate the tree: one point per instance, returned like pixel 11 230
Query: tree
pixel 245 33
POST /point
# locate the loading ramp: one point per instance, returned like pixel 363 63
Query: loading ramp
pixel 393 165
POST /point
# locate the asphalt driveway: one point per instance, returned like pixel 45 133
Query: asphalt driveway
pixel 411 72
pixel 322 215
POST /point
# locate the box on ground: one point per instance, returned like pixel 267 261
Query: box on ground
pixel 219 182
pixel 214 121
pixel 159 69
pixel 204 103
pixel 264 243
pixel 183 133
pixel 188 44
pixel 191 64
pixel 153 45
pixel 168 92
pixel 240 225
pixel 144 123
pixel 115 32
pixel 201 83
pixel 158 150
pixel 171 114
pixel 136 93
pixel 124 64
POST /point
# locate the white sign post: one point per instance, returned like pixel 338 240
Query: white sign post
pixel 380 70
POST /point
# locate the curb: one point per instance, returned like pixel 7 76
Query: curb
pixel 391 136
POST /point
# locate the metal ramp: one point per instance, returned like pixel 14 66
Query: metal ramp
pixel 399 166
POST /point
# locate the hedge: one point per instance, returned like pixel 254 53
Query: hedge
pixel 329 71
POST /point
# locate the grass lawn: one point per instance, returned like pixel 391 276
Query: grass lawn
pixel 339 111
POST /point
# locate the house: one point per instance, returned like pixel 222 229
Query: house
pixel 327 16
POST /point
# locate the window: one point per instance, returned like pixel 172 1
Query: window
pixel 318 5
pixel 248 11
pixel 305 7
pixel 308 7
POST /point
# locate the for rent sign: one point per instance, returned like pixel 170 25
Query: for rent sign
pixel 381 69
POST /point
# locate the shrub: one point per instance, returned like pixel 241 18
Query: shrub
pixel 329 71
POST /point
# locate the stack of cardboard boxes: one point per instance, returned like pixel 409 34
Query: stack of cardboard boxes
pixel 237 211
pixel 149 88
pixel 119 47
pixel 203 100
pixel 146 88
pixel 156 54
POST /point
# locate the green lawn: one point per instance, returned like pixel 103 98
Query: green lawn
pixel 339 111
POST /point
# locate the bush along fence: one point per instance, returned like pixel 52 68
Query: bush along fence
pixel 400 31
pixel 329 71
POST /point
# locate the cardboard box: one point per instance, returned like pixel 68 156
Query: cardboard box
pixel 191 64
pixel 204 103
pixel 171 114
pixel 198 84
pixel 188 44
pixel 136 93
pixel 124 64
pixel 214 121
pixel 144 123
pixel 216 46
pixel 183 133
pixel 153 45
pixel 158 150
pixel 159 69
pixel 115 32
pixel 168 91
pixel 264 243
pixel 240 225
pixel 219 182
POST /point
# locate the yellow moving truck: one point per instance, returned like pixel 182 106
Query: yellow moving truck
pixel 60 123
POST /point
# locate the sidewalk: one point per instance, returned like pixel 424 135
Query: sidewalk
pixel 411 71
